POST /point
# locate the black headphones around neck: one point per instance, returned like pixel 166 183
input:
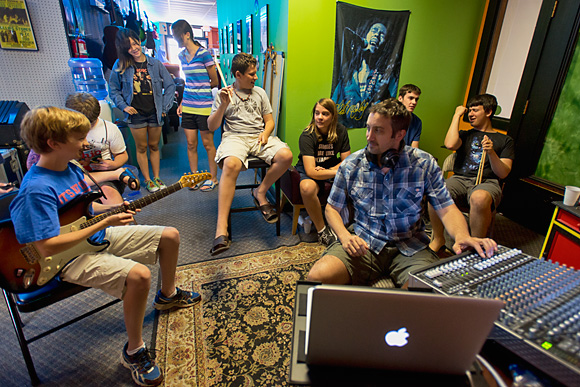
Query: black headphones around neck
pixel 388 158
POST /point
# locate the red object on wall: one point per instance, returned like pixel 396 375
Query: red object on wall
pixel 79 47
pixel 213 38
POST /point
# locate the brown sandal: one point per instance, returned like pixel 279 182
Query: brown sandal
pixel 267 210
pixel 220 244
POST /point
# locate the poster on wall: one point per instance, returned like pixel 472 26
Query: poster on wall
pixel 367 59
pixel 220 35
pixel 238 36
pixel 264 28
pixel 249 34
pixel 225 39
pixel 15 27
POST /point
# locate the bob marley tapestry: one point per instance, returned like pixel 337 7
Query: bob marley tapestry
pixel 367 59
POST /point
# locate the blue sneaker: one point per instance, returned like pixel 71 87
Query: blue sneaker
pixel 143 369
pixel 182 299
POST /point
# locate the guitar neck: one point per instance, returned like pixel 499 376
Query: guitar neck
pixel 137 204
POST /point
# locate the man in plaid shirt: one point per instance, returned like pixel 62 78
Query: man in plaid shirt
pixel 385 183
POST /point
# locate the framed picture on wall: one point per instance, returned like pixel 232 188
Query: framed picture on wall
pixel 220 37
pixel 225 39
pixel 231 37
pixel 249 34
pixel 15 27
pixel 239 36
pixel 264 28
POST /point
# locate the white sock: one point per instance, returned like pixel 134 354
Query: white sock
pixel 173 294
pixel 131 353
pixel 321 231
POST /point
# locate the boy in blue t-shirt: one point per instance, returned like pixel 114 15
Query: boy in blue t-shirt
pixel 58 136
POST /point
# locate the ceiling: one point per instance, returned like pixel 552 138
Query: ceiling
pixel 196 12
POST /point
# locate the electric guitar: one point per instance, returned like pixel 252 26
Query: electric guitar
pixel 23 269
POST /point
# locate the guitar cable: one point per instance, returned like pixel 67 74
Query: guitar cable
pixel 75 162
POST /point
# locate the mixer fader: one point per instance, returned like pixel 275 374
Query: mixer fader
pixel 542 300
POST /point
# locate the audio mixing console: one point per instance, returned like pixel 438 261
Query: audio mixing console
pixel 542 303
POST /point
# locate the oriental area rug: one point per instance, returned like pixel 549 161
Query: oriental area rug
pixel 240 334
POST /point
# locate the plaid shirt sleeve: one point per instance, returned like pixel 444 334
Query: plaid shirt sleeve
pixel 337 196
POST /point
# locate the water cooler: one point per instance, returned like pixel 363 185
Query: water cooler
pixel 88 77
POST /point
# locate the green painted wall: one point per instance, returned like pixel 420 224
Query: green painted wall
pixel 438 54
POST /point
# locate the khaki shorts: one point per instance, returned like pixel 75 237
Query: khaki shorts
pixel 244 145
pixel 108 269
pixel 370 267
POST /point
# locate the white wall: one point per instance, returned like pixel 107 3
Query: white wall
pixel 512 51
pixel 39 77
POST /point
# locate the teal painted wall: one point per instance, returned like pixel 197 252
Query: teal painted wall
pixel 438 54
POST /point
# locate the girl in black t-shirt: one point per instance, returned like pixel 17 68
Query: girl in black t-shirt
pixel 323 145
pixel 142 87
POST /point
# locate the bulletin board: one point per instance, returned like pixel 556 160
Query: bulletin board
pixel 39 77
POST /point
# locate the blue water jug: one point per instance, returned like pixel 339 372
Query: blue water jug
pixel 88 76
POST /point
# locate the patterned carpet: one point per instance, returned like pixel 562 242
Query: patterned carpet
pixel 240 333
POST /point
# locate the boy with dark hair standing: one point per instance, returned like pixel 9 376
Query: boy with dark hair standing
pixel 58 136
pixel 247 126
pixel 409 96
pixel 471 145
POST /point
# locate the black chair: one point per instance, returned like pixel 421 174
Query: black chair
pixel 54 291
pixel 260 167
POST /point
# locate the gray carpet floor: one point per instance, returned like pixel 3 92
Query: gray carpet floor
pixel 87 352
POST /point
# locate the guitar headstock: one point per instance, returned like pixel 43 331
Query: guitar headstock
pixel 191 179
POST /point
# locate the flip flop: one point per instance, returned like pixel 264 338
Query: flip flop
pixel 207 186
pixel 133 182
pixel 220 244
pixel 196 187
pixel 267 210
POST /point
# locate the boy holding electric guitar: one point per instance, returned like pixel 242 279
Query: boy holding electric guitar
pixel 114 258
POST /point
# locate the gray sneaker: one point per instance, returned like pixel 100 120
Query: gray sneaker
pixel 182 299
pixel 327 236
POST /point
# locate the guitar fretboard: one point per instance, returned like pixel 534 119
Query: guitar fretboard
pixel 139 203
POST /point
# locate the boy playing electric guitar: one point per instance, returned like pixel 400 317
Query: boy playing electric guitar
pixel 58 136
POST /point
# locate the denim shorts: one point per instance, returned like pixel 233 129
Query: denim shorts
pixel 137 121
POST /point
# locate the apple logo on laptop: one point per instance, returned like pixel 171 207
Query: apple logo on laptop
pixel 397 338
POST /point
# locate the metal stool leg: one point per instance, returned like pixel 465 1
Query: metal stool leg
pixel 17 322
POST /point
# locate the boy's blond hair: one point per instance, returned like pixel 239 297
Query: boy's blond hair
pixel 51 123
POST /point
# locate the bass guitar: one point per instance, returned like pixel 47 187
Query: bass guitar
pixel 23 269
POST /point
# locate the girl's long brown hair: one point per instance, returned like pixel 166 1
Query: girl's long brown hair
pixel 329 105
pixel 123 43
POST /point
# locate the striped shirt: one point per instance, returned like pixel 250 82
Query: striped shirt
pixel 387 207
pixel 197 97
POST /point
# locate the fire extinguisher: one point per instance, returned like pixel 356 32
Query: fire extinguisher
pixel 79 46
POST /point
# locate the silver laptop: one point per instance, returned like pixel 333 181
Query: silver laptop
pixel 393 329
